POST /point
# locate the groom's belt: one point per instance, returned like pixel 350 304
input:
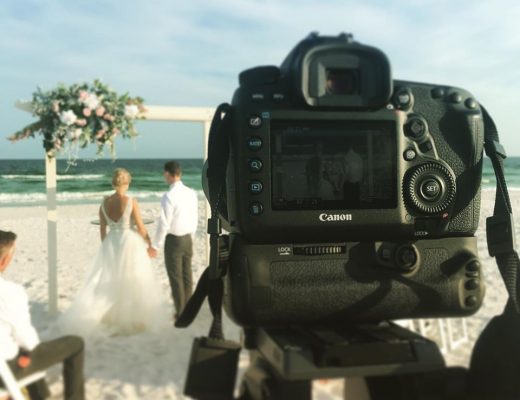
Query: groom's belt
pixel 176 236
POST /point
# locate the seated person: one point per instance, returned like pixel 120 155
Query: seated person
pixel 19 342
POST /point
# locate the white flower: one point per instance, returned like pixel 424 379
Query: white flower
pixel 68 117
pixel 75 133
pixel 91 101
pixel 131 111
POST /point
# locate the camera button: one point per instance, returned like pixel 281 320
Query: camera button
pixel 471 301
pixel 409 154
pixel 255 121
pixel 256 208
pixel 426 146
pixel 255 165
pixel 430 189
pixel 254 143
pixel 403 99
pixel 415 127
pixel 255 187
pixel 455 98
pixel 470 103
pixel 406 258
pixel 437 93
pixel 472 284
pixel 473 266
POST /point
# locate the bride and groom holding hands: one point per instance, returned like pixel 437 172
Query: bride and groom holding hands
pixel 121 294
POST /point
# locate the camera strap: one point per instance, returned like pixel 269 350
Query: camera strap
pixel 500 229
pixel 214 360
pixel 495 359
pixel 210 284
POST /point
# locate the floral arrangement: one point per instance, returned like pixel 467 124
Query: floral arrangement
pixel 72 117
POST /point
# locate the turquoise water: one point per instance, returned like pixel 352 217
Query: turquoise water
pixel 22 182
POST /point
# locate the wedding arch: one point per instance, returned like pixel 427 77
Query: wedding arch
pixel 201 115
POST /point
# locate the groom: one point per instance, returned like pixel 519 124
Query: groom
pixel 177 225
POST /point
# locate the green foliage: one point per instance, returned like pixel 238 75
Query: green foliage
pixel 72 117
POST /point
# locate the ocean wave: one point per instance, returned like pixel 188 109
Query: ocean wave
pixel 34 198
pixel 7 199
pixel 88 177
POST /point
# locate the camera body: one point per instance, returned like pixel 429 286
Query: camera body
pixel 350 195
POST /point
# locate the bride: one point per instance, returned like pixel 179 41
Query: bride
pixel 121 294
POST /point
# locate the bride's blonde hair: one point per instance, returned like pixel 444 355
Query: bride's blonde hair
pixel 121 177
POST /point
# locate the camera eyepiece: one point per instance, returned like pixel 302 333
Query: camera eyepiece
pixel 339 72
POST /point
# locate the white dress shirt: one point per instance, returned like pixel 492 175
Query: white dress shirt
pixel 179 213
pixel 16 329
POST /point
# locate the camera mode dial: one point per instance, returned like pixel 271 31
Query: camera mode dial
pixel 429 188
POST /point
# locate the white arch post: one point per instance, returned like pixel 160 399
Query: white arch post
pixel 203 115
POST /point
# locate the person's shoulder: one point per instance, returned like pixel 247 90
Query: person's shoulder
pixel 166 197
pixel 12 290
pixel 192 192
pixel 191 189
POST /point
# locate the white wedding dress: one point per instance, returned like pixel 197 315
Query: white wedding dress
pixel 121 294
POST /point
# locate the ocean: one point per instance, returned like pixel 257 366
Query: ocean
pixel 22 182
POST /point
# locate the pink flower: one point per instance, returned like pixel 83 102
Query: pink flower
pixel 56 106
pixel 115 131
pixel 81 122
pixel 109 117
pixel 100 133
pixel 83 94
pixel 100 111
pixel 87 112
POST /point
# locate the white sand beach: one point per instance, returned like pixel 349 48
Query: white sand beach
pixel 153 366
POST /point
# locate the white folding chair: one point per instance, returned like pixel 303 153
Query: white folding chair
pixel 457 336
pixel 12 386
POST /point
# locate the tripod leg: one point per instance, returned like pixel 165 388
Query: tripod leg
pixel 355 389
pixel 446 384
pixel 259 383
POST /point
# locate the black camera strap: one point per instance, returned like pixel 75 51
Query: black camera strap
pixel 214 360
pixel 210 284
pixel 500 229
pixel 495 359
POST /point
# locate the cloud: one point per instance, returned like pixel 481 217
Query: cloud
pixel 190 53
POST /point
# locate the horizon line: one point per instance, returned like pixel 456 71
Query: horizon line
pixel 107 159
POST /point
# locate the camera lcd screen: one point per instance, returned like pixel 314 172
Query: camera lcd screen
pixel 333 165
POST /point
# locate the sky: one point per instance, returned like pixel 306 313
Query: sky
pixel 189 53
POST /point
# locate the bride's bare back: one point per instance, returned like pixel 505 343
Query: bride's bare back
pixel 115 206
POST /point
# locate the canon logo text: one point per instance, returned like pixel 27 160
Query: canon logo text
pixel 324 217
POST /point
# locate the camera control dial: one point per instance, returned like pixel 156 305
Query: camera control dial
pixel 429 188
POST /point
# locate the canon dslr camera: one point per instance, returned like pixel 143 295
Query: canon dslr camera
pixel 350 196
